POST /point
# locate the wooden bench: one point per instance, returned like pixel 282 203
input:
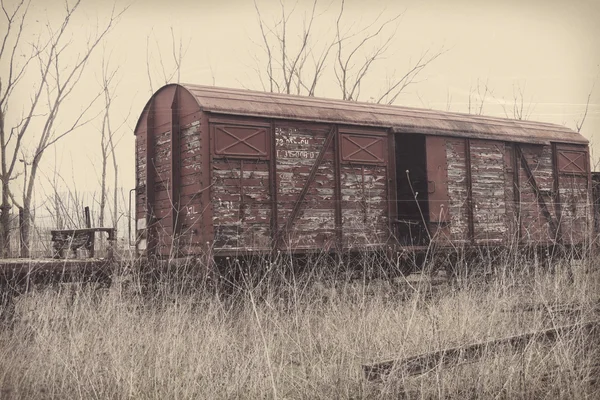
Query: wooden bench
pixel 73 239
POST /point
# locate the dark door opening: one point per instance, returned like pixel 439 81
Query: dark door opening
pixel 412 187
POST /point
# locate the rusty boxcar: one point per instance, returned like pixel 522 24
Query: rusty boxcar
pixel 236 172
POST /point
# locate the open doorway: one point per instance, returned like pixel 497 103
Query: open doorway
pixel 412 187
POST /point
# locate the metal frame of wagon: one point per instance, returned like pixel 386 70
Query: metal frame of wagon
pixel 209 105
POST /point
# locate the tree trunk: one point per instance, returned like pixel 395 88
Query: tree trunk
pixel 25 229
pixel 115 195
pixel 58 211
pixel 5 222
pixel 6 205
pixel 102 192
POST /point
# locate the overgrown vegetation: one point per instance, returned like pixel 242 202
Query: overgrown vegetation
pixel 302 336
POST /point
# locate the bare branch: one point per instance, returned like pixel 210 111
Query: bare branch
pixel 410 77
pixel 148 64
pixel 482 97
pixel 288 54
pixel 350 86
pixel 519 111
pixel 267 47
pixel 57 81
pixel 483 91
pixel 579 124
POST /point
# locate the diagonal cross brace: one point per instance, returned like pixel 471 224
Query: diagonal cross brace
pixel 363 148
pixel 572 161
pixel 538 193
pixel 242 140
pixel 311 177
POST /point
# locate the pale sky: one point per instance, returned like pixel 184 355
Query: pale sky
pixel 550 48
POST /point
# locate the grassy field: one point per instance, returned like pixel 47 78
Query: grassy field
pixel 303 339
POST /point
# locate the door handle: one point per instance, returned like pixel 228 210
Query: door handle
pixel 429 187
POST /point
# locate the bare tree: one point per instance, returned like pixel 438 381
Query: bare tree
pixel 579 124
pixel 108 142
pixel 521 110
pixel 106 134
pixel 478 96
pixel 58 75
pixel 297 58
pixel 156 69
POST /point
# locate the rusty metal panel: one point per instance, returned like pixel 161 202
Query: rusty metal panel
pixel 147 240
pixel 167 171
pixel 363 149
pixel 140 174
pixel 488 189
pixel 163 101
pixel 188 108
pixel 241 141
pixel 437 179
pixel 175 167
pixel 157 164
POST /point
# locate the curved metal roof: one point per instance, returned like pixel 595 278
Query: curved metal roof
pixel 397 118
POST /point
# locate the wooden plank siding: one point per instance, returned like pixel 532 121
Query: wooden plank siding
pixel 191 208
pixel 241 204
pixel 364 205
pixel 535 227
pixel 296 150
pixel 488 191
pixel 511 195
pixel 241 201
pixel 457 190
pixel 163 203
pixel 573 192
pixel 175 177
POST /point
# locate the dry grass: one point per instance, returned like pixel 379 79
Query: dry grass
pixel 300 340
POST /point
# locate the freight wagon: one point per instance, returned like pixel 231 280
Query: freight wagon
pixel 232 172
